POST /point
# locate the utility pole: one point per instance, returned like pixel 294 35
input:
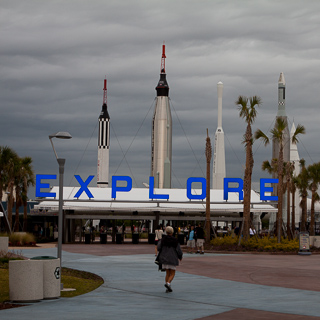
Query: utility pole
pixel 208 157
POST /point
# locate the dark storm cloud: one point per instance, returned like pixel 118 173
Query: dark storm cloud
pixel 54 56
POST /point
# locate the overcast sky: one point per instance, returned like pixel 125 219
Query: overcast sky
pixel 54 56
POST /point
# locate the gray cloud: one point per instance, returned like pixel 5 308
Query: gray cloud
pixel 55 54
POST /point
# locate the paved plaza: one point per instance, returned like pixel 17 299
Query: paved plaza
pixel 207 287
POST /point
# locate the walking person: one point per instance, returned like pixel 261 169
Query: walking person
pixel 200 239
pixel 170 254
pixel 158 237
pixel 191 243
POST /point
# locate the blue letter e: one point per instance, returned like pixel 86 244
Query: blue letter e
pixel 40 185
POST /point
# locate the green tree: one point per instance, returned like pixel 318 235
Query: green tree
pixel 9 184
pixel 27 176
pixel 17 188
pixel 6 154
pixel 248 111
pixel 208 158
pixel 273 168
pixel 293 204
pixel 289 168
pixel 16 175
pixel 314 178
pixel 301 181
pixel 278 135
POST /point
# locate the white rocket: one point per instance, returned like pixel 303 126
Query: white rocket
pixel 219 157
pixel 161 139
pixel 282 114
pixel 103 143
pixel 286 141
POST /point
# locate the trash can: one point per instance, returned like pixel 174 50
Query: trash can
pixel 135 238
pixel 103 238
pixel 151 238
pixel 87 238
pixel 25 280
pixel 118 238
pixel 4 242
pixel 181 238
pixel 51 276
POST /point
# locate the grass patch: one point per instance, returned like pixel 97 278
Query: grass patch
pixel 4 285
pixel 82 281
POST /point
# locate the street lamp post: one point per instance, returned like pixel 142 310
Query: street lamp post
pixel 61 162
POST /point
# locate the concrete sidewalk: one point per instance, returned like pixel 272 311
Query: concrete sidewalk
pixel 207 287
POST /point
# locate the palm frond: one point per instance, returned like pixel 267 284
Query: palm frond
pixel 261 135
pixel 299 130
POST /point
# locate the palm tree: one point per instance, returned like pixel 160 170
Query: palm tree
pixel 302 183
pixel 23 177
pixel 247 111
pixel 273 168
pixel 16 175
pixel 314 176
pixel 17 186
pixel 293 202
pixel 27 176
pixel 10 182
pixel 289 168
pixel 208 158
pixel 6 154
pixel 278 135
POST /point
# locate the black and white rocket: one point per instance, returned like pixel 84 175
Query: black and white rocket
pixel 103 143
pixel 161 138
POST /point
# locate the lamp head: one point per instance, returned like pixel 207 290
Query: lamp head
pixel 60 135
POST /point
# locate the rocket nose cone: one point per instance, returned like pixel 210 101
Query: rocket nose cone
pixel 104 114
pixel 162 87
pixel 282 79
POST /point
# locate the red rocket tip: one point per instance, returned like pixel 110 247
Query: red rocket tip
pixel 105 92
pixel 163 57
pixel 163 51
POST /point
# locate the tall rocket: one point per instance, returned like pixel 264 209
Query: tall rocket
pixel 103 143
pixel 286 141
pixel 282 114
pixel 161 138
pixel 219 157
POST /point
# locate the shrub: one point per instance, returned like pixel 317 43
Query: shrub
pixel 28 238
pixel 3 235
pixel 265 244
pixel 18 239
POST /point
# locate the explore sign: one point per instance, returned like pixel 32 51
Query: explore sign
pixel 84 187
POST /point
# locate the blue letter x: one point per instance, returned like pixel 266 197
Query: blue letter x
pixel 84 187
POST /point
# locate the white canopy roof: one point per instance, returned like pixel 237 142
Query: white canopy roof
pixel 137 201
